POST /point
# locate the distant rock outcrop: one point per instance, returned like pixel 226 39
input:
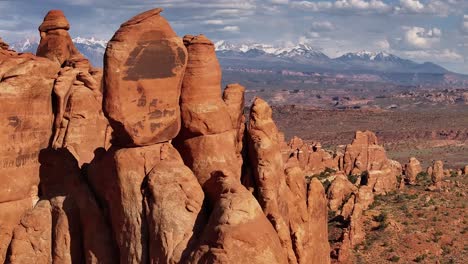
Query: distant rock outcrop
pixel 412 169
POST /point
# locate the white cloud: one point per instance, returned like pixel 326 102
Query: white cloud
pixel 421 38
pixel 360 6
pixel 280 2
pixel 464 25
pixel 230 29
pixel 435 7
pixel 382 44
pixel 214 22
pixel 412 5
pixel 322 26
pixel 434 55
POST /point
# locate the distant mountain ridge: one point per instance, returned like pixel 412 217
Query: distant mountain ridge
pixel 300 58
pixel 91 48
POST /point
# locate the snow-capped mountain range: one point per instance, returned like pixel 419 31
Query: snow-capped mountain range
pixel 91 48
pixel 301 57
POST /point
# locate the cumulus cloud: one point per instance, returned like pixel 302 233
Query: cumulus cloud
pixel 322 26
pixel 230 29
pixel 382 44
pixel 412 5
pixel 421 38
pixel 434 7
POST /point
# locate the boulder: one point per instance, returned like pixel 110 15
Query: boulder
pixel 32 238
pixel 144 65
pixel 10 216
pixel 228 236
pixel 339 191
pixel 117 177
pixel 173 201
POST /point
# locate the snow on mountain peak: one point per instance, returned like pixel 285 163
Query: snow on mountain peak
pixel 90 41
pixel 300 49
pixel 369 55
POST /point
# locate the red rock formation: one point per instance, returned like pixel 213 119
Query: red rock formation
pixel 26 84
pixel 228 236
pixel 4 45
pixel 339 191
pixel 56 44
pixel 312 158
pixel 173 203
pixel 412 169
pixel 364 155
pixel 136 201
pixel 281 194
pixel 211 136
pixel 144 66
pixel 32 240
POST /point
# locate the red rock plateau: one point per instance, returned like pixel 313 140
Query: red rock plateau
pixel 149 161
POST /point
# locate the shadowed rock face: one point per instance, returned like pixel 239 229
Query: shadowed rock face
pixel 137 198
pixel 144 65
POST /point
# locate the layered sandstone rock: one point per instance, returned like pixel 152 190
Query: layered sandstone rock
pixel 281 194
pixel 412 169
pixel 144 65
pixel 26 84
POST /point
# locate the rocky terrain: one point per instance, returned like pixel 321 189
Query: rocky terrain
pixel 148 160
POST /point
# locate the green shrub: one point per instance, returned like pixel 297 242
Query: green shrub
pixel 394 258
pixel 382 218
pixel 353 178
pixel 420 258
pixel 423 177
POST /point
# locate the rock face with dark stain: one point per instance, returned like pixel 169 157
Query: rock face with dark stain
pixel 144 66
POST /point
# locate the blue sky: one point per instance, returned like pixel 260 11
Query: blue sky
pixel 422 30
